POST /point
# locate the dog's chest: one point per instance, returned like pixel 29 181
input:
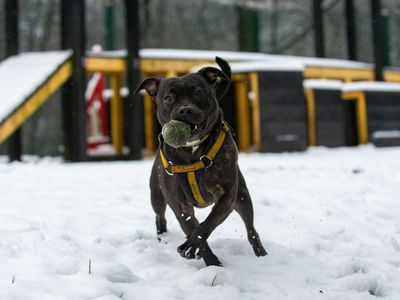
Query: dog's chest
pixel 198 188
pixel 213 185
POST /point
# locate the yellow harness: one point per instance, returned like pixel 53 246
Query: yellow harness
pixel 191 176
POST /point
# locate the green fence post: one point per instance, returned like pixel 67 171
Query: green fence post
pixel 248 29
pixel 109 24
pixel 14 143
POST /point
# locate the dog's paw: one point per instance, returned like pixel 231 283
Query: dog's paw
pixel 193 247
pixel 258 248
pixel 161 224
pixel 260 251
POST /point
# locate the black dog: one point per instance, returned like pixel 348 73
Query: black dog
pixel 205 170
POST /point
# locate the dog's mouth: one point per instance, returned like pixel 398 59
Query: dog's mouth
pixel 195 132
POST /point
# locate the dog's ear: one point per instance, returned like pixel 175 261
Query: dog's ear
pixel 212 74
pixel 225 67
pixel 150 85
pixel 224 84
pixel 219 79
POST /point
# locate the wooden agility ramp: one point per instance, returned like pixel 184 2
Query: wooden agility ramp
pixel 27 80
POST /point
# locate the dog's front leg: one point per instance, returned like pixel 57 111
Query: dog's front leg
pixel 189 223
pixel 195 245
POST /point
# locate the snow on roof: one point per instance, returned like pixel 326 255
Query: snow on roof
pixel 198 54
pixel 107 54
pixel 22 74
pixel 257 66
pixel 185 54
pixel 371 86
pixel 230 55
pixel 385 134
pixel 260 66
pixel 322 84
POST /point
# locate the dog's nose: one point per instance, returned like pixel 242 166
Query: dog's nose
pixel 185 113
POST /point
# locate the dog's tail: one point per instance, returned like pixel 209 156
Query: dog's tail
pixel 224 84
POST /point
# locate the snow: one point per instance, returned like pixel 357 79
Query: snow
pixel 108 93
pixel 184 54
pixel 329 219
pixel 322 84
pixel 257 66
pixel 386 134
pixel 238 56
pixel 371 86
pixel 261 66
pixel 22 74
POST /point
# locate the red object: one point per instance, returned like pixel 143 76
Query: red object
pixel 96 110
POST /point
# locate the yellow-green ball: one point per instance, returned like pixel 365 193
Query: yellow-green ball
pixel 176 133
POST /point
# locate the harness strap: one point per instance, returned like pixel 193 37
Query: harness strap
pixel 200 201
pixel 201 164
pixel 191 176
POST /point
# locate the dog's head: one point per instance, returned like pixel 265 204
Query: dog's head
pixel 192 98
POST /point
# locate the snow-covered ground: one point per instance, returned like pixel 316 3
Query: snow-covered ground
pixel 330 220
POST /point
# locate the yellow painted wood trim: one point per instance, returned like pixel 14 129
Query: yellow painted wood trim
pixel 171 74
pixel 161 66
pixel 33 102
pixel 351 95
pixel 393 76
pixel 180 66
pixel 362 118
pixel 242 115
pixel 150 67
pixel 256 122
pixel 116 114
pixel 105 65
pixel 343 74
pixel 311 117
pixel 149 123
pixel 361 114
pixel 240 76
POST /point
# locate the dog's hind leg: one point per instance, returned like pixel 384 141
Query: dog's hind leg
pixel 157 201
pixel 159 207
pixel 244 207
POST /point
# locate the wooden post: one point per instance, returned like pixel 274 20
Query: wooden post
pixel 361 114
pixel 14 143
pixel 134 103
pixel 149 123
pixel 318 29
pixel 377 34
pixel 116 114
pixel 256 117
pixel 73 93
pixel 351 30
pixel 243 113
pixel 310 99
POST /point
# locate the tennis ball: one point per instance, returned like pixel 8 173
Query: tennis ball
pixel 176 133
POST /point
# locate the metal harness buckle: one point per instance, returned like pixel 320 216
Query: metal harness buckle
pixel 207 162
pixel 170 164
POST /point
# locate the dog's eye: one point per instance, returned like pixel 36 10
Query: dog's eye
pixel 198 93
pixel 167 98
